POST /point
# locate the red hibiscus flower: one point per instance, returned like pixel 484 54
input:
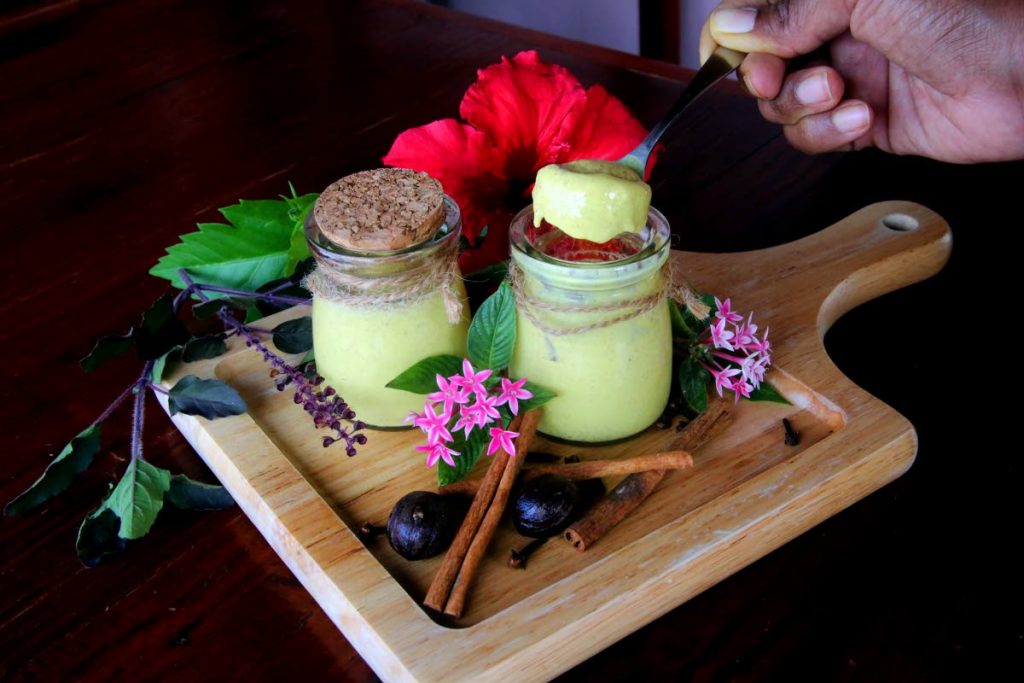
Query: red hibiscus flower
pixel 522 114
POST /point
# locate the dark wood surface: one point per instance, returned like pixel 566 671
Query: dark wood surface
pixel 123 123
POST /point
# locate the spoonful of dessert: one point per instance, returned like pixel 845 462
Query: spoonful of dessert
pixel 596 200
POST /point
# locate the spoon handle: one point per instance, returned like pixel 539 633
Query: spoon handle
pixel 722 62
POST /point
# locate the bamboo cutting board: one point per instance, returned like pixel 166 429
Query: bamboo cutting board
pixel 748 493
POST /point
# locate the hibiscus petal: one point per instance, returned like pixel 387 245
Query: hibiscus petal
pixel 462 160
pixel 606 130
pixel 527 108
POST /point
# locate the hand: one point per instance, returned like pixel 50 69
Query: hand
pixel 938 78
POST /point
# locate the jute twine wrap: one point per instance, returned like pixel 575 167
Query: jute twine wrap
pixel 392 291
pixel 621 310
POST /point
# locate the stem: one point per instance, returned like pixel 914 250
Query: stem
pixel 139 410
pixel 113 406
pixel 265 296
pixel 158 389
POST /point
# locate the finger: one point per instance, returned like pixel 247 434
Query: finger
pixel 763 75
pixel 707 43
pixel 831 131
pixel 785 28
pixel 804 93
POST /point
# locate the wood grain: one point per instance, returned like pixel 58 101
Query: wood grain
pixel 124 123
pixel 748 493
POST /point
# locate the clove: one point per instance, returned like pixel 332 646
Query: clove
pixel 368 531
pixel 517 558
pixel 792 437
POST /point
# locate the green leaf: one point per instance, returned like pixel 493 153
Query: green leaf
pixel 97 537
pixel 693 383
pixel 75 457
pixel 685 324
pixel 189 494
pixel 679 326
pixel 209 398
pixel 540 397
pixel 201 348
pixel 492 334
pixel 260 244
pixel 421 377
pixel 156 375
pixel 767 392
pixel 470 451
pixel 137 498
pixel 161 330
pixel 107 348
pixel 294 336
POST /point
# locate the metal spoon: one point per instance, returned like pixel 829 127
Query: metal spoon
pixel 722 62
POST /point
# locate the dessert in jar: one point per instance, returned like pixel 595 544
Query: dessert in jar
pixel 593 324
pixel 387 291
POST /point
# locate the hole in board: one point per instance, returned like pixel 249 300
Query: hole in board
pixel 900 222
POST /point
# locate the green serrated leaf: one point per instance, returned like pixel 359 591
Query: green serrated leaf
pixel 294 336
pixel 693 383
pixel 160 331
pixel 209 398
pixel 492 334
pixel 189 494
pixel 201 348
pixel 540 397
pixel 97 537
pixel 138 498
pixel 421 378
pixel 260 244
pixel 107 348
pixel 73 459
pixel 767 392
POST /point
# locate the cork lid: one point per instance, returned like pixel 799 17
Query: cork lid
pixel 380 210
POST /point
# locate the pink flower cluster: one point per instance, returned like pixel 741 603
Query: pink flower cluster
pixel 464 402
pixel 738 358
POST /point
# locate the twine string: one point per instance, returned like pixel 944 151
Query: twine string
pixel 627 309
pixel 399 289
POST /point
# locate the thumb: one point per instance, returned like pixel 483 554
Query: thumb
pixel 785 28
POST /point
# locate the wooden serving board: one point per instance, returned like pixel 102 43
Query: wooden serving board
pixel 748 493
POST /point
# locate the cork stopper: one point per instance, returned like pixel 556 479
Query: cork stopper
pixel 380 210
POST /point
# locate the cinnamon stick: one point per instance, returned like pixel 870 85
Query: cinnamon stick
pixel 440 587
pixel 635 488
pixel 457 600
pixel 592 469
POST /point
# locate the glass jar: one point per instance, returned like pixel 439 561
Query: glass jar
pixel 365 340
pixel 594 327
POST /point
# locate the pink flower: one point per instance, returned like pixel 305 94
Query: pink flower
pixel 472 381
pixel 449 393
pixel 438 451
pixel 741 389
pixel 762 346
pixel 466 421
pixel 720 336
pixel 753 368
pixel 725 311
pixel 511 392
pixel 436 426
pixel 722 376
pixel 745 334
pixel 484 409
pixel 500 438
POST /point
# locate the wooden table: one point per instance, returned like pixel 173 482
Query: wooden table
pixel 124 123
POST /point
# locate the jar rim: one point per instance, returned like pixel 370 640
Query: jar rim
pixel 323 249
pixel 656 238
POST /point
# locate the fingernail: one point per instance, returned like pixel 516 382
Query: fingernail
pixel 749 82
pixel 851 117
pixel 813 90
pixel 734 20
